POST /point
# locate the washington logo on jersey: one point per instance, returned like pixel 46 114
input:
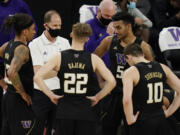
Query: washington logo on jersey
pixel 26 123
pixel 149 66
pixel 76 55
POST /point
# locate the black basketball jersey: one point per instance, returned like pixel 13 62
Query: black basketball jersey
pixel 76 77
pixel 148 93
pixel 117 61
pixel 26 72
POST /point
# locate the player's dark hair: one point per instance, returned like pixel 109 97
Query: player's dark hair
pixel 17 23
pixel 125 17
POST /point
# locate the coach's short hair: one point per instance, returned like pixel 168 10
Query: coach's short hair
pixel 48 15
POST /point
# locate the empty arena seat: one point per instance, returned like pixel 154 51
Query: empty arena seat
pixel 87 12
pixel 169 43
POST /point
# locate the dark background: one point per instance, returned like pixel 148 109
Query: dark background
pixel 68 9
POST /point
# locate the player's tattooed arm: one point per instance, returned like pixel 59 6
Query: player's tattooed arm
pixel 21 56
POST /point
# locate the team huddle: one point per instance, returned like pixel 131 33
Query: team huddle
pixel 65 90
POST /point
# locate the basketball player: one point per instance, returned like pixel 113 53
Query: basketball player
pixel 75 68
pixel 123 24
pixel 18 117
pixel 143 86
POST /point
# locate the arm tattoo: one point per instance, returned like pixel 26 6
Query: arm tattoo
pixel 17 83
pixel 21 55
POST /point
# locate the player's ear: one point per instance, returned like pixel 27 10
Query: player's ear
pixel 126 57
pixel 98 12
pixel 45 25
pixel 25 32
pixel 71 35
pixel 87 38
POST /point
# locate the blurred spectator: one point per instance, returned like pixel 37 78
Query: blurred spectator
pixel 163 13
pixel 130 6
pixel 11 7
pixel 144 6
pixel 87 12
pixel 101 26
pixel 166 13
pixel 142 32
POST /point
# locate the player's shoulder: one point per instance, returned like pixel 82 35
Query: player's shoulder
pixel 165 68
pixel 131 70
pixel 94 56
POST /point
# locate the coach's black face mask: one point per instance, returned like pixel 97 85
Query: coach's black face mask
pixel 104 21
pixel 54 32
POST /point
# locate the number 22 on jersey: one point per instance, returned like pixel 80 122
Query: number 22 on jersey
pixel 73 83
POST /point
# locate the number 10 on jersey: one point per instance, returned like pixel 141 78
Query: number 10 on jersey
pixel 155 92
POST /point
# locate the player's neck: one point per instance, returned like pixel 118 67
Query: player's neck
pixel 140 59
pixel 77 45
pixel 129 39
pixel 21 39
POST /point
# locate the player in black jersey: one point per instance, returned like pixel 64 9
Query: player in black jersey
pixel 113 108
pixel 143 86
pixel 18 118
pixel 75 68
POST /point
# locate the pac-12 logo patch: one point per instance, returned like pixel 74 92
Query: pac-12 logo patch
pixel 26 123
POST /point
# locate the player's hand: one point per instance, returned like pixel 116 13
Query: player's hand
pixel 134 119
pixel 93 99
pixel 166 113
pixel 26 98
pixel 54 98
pixel 5 88
pixel 110 29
